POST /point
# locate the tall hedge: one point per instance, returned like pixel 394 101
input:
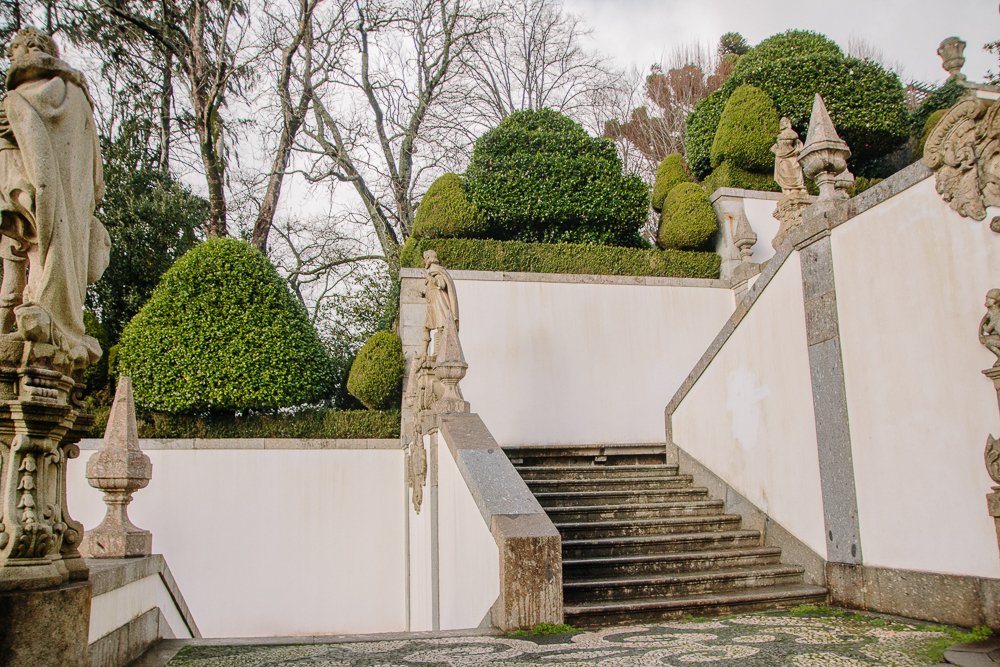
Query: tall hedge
pixel 670 172
pixel 688 220
pixel 538 176
pixel 222 332
pixel 747 130
pixel 445 211
pixel 700 132
pixel 865 101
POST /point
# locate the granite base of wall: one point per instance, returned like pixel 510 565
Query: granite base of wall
pixel 128 642
pixel 929 596
pixel 45 628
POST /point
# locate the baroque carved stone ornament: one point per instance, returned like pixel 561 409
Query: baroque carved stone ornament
pixel 824 156
pixel 964 152
pixel 989 336
pixel 788 174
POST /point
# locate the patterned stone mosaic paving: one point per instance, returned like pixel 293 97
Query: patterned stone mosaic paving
pixel 748 641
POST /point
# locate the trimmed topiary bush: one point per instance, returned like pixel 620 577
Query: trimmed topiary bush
pixel 95 376
pixel 728 176
pixel 932 121
pixel 222 332
pixel 445 211
pixel 513 256
pixel 376 377
pixel 699 134
pixel 670 172
pixel 747 130
pixel 688 220
pixel 943 97
pixel 538 176
pixel 788 44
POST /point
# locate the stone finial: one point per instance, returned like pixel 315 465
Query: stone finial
pixel 824 156
pixel 744 237
pixel 952 59
pixel 119 468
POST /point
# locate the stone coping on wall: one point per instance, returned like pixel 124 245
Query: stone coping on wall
pixel 253 443
pixel 576 278
pixel 743 194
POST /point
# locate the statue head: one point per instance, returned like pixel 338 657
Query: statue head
pixel 993 298
pixel 430 257
pixel 32 38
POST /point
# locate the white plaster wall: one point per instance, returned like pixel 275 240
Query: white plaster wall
pixel 760 215
pixel 469 556
pixel 117 607
pixel 911 278
pixel 274 542
pixel 749 418
pixel 576 363
pixel 421 565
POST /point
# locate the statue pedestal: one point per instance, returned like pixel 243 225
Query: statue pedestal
pixel 45 628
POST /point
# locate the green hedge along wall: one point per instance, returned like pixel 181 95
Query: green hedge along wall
pixel 514 256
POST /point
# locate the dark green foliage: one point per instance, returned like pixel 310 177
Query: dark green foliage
pixel 861 184
pixel 445 211
pixel 732 43
pixel 866 103
pixel 747 130
pixel 376 377
pixel 222 332
pixel 700 133
pixel 670 172
pixel 490 255
pixel 539 176
pixel 944 97
pixel 152 219
pixel 728 176
pixel 95 376
pixel 299 424
pixel 932 121
pixel 112 356
pixel 688 220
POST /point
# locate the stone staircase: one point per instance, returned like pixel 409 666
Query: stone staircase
pixel 641 543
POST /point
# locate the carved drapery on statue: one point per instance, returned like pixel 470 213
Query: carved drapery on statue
pixel 989 336
pixel 53 247
pixel 435 371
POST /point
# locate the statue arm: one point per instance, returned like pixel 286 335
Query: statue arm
pixel 6 131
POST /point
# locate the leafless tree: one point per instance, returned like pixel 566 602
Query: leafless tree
pixel 533 56
pixel 208 41
pixel 377 72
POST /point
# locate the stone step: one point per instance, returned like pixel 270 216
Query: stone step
pixel 593 471
pixel 679 584
pixel 641 497
pixel 703 604
pixel 659 544
pixel 698 561
pixel 635 511
pixel 642 527
pixel 606 454
pixel 610 484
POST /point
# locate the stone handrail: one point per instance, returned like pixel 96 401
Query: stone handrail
pixel 529 544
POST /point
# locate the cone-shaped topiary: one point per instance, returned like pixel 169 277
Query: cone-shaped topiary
pixel 376 377
pixel 222 331
pixel 688 220
pixel 670 172
pixel 446 212
pixel 538 176
pixel 95 376
pixel 747 130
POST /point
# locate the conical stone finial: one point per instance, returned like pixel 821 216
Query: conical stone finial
pixel 743 236
pixel 119 468
pixel 824 156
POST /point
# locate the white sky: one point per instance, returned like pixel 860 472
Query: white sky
pixel 641 32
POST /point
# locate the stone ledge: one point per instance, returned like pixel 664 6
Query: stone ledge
pixel 254 443
pixel 575 278
pixel 743 194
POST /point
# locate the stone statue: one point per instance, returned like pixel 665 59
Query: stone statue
pixel 442 304
pixel 989 326
pixel 50 182
pixel 787 171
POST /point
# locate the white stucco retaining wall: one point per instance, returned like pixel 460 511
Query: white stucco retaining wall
pixel 581 363
pixel 469 557
pixel 911 277
pixel 117 607
pixel 749 417
pixel 274 542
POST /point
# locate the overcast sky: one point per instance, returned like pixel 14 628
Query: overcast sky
pixel 641 32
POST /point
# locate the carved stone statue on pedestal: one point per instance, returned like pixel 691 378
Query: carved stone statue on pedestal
pixel 788 174
pixel 52 248
pixel 989 336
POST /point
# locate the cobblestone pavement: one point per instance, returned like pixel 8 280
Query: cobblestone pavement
pixel 810 640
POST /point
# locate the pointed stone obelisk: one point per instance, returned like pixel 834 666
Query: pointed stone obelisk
pixel 824 156
pixel 119 468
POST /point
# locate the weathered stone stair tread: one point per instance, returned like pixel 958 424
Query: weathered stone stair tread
pixel 655 471
pixel 726 574
pixel 663 521
pixel 611 483
pixel 598 495
pixel 702 601
pixel 635 510
pixel 674 537
pixel 679 560
pixel 653 526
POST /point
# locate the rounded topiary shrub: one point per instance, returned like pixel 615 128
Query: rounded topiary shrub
pixel 222 331
pixel 688 220
pixel 446 212
pixel 932 121
pixel 95 376
pixel 538 176
pixel 376 377
pixel 747 130
pixel 699 134
pixel 726 175
pixel 670 172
